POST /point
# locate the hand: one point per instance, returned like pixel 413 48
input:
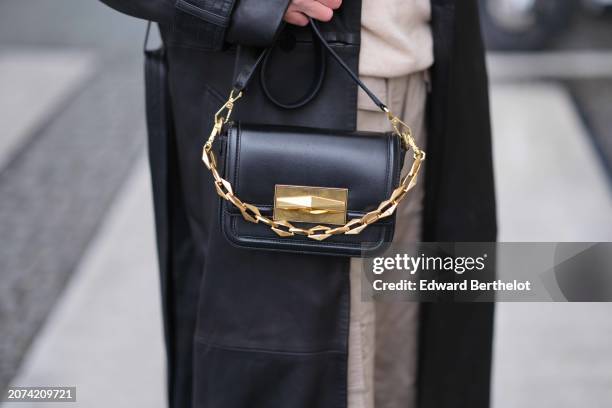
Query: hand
pixel 299 10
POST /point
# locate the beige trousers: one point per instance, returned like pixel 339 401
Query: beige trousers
pixel 382 366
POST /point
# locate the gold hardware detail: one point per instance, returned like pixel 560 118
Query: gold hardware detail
pixel 310 204
pixel 312 201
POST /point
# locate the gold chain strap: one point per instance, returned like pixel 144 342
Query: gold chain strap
pixel 320 232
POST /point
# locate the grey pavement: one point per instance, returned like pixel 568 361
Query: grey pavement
pixel 72 127
pixel 74 24
pixel 592 99
pixel 34 83
pixel 553 355
pixel 551 184
pixel 79 298
pixel 586 31
pixel 54 194
pixel 105 335
pixel 555 65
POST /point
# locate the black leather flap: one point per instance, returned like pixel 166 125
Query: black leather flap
pixel 260 157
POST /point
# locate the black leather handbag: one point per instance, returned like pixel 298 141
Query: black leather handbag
pixel 308 190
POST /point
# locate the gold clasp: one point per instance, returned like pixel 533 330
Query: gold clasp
pixel 220 119
pixel 227 106
pixel 317 205
pixel 402 130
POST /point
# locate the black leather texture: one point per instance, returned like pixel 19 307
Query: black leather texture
pixel 254 24
pixel 258 157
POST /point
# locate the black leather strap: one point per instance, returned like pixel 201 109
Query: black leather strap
pixel 244 75
pixel 320 68
pixel 256 23
pixel 354 77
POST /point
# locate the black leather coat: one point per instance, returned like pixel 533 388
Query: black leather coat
pixel 251 329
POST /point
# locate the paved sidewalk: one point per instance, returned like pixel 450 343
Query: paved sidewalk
pixel 553 355
pixel 56 187
pixel 34 83
pixel 551 184
pixel 104 335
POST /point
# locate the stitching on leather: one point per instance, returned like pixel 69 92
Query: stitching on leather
pixel 228 164
pixel 238 131
pixel 205 342
pixel 202 13
pixel 184 44
pixel 240 241
pixel 352 94
pixel 233 211
pixel 302 241
pixel 214 93
pixel 388 165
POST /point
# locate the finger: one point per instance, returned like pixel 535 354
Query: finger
pixel 296 18
pixel 332 4
pixel 315 10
